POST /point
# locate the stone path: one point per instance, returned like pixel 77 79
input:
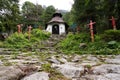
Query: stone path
pixel 49 64
pixel 73 67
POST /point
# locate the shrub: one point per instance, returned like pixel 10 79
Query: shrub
pixel 16 40
pixel 21 40
pixel 42 35
pixel 111 35
pixel 96 45
pixel 72 41
pixel 112 45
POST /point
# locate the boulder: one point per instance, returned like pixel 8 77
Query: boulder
pixel 70 70
pixel 62 60
pixel 106 68
pixel 117 57
pixel 109 76
pixel 113 61
pixel 3 36
pixel 1 63
pixel 37 76
pixel 77 58
pixel 53 61
pixel 82 45
pixel 10 73
pixel 93 77
pixel 92 58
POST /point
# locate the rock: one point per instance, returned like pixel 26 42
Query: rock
pixel 6 52
pixel 53 61
pixel 62 60
pixel 106 68
pixel 93 77
pixel 3 36
pixel 82 45
pixel 112 76
pixel 23 61
pixel 37 76
pixel 113 61
pixel 109 76
pixel 117 57
pixel 77 58
pixel 10 73
pixel 88 63
pixel 69 70
pixel 92 58
pixel 65 56
pixel 1 63
pixel 52 52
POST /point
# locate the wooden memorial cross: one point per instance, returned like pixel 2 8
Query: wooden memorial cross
pixel 29 31
pixel 19 28
pixel 91 30
pixel 113 23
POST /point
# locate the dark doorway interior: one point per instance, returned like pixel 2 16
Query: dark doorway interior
pixel 55 29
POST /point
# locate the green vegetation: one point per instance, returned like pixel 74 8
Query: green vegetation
pixel 81 13
pixel 21 40
pixel 99 11
pixel 71 40
pixel 111 35
pixel 72 44
pixel 10 15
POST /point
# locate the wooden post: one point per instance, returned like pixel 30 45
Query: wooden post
pixel 113 23
pixel 78 29
pixel 91 30
pixel 19 28
pixel 29 31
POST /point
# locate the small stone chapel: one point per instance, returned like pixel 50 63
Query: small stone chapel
pixel 57 25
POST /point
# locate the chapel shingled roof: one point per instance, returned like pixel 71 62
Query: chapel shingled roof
pixel 57 17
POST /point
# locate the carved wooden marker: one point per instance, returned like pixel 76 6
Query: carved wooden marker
pixel 113 23
pixel 19 28
pixel 91 30
pixel 29 31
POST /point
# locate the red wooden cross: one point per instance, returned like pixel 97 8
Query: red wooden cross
pixel 113 23
pixel 91 30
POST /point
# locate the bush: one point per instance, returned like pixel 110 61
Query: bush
pixel 16 40
pixel 112 45
pixel 72 41
pixel 111 35
pixel 21 40
pixel 42 35
pixel 96 45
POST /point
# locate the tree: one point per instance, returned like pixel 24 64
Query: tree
pixel 99 11
pixel 47 14
pixel 31 13
pixel 9 15
pixel 28 10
